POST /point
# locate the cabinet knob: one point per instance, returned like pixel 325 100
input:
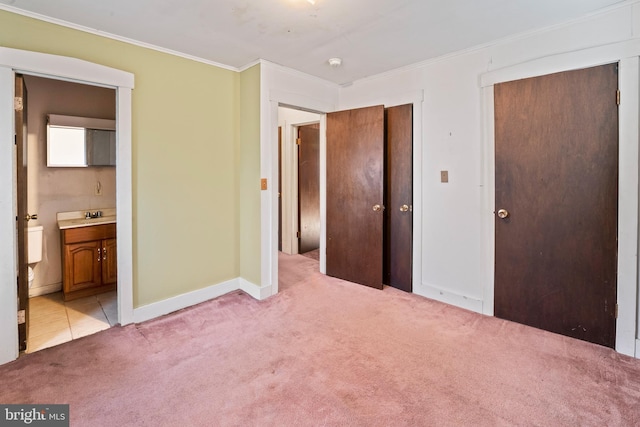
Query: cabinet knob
pixel 99 254
pixel 104 253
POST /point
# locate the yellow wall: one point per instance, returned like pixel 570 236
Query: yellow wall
pixel 249 131
pixel 185 161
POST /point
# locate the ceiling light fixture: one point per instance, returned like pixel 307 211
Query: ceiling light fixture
pixel 335 62
pixel 312 1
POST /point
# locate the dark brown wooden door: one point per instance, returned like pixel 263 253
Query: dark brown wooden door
pixel 556 178
pixel 355 162
pixel 21 223
pixel 398 196
pixel 309 187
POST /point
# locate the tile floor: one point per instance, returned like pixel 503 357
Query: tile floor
pixel 53 321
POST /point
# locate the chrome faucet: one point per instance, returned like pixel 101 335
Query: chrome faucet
pixel 96 214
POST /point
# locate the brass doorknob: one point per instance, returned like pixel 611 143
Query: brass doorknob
pixel 377 208
pixel 28 217
pixel 404 208
pixel 503 213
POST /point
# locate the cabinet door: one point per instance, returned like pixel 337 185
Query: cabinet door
pixel 82 265
pixel 109 262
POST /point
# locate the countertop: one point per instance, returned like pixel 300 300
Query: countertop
pixel 77 218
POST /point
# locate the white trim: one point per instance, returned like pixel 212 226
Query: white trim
pixel 9 349
pixel 322 165
pixel 169 305
pixel 488 194
pixel 448 297
pixel 289 178
pixel 124 206
pixel 584 58
pixel 626 53
pixel 72 69
pixel 257 292
pixel 111 36
pixel 629 136
pixel 64 67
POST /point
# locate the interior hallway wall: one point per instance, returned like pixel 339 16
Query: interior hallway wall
pixel 52 190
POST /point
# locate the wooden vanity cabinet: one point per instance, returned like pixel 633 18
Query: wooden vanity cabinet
pixel 89 261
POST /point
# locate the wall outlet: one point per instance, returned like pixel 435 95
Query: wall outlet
pixel 444 176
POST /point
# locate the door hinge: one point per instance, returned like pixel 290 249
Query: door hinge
pixel 22 318
pixel 17 103
pixel 618 97
pixel 298 141
pixel 616 311
pixel 297 234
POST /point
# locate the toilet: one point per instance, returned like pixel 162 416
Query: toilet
pixel 34 246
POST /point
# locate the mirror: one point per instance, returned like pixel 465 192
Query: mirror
pixel 80 142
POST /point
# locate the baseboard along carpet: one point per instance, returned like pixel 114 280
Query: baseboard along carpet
pixel 324 352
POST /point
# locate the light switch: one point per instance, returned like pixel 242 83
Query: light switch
pixel 263 183
pixel 444 176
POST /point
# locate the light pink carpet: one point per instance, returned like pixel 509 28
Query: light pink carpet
pixel 324 352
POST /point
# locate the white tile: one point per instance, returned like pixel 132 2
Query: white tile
pixel 88 326
pixel 52 326
pixel 38 343
pixel 81 301
pixel 53 321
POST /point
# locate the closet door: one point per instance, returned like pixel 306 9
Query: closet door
pixel 398 227
pixel 556 148
pixel 355 181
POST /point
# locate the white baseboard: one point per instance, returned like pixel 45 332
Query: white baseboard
pixel 169 305
pixel 637 355
pixel 44 290
pixel 447 297
pixel 257 292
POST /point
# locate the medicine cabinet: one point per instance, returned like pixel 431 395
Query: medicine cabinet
pixel 80 141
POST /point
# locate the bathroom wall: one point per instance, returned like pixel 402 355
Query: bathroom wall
pixel 52 190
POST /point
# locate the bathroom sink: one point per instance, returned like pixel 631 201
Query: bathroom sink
pixel 83 222
pixel 77 219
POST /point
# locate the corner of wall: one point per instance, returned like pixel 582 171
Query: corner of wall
pixel 249 174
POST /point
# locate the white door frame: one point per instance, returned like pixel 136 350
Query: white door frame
pixel 626 54
pixel 269 158
pixel 14 61
pixel 289 176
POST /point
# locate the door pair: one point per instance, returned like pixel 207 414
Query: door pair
pixel 369 196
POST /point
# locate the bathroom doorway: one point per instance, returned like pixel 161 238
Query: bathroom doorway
pixel 71 190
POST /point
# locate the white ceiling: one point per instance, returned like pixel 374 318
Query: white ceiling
pixel 371 36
